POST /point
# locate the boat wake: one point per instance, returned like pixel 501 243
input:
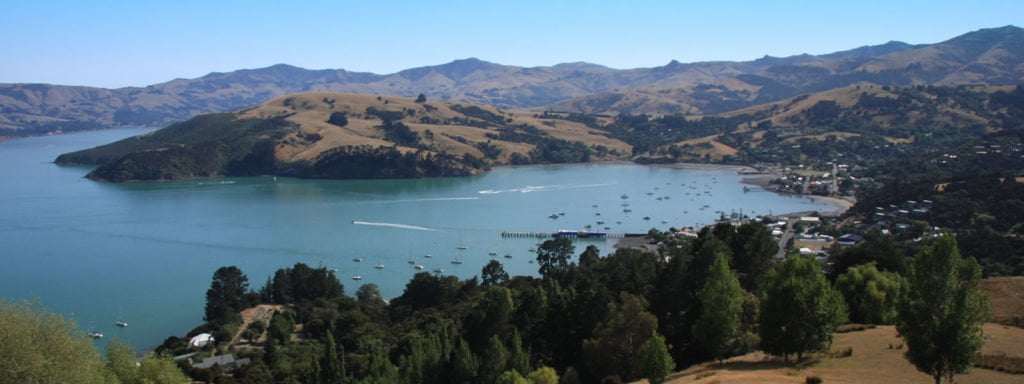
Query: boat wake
pixel 394 225
pixel 542 188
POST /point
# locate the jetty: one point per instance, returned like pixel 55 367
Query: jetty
pixel 570 234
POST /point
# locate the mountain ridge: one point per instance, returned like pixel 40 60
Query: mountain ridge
pixel 993 56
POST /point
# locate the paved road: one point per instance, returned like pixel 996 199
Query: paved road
pixel 786 235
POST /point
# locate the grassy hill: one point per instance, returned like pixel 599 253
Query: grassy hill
pixel 877 353
pixel 331 135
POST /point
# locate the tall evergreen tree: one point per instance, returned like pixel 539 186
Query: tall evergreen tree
pixel 718 330
pixel 494 361
pixel 615 347
pixel 464 364
pixel 332 368
pixel 655 362
pixel 226 295
pixel 942 312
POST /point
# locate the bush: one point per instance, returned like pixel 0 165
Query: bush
pixel 813 380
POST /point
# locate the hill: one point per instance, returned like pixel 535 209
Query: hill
pixel 988 56
pixel 328 135
pixel 877 357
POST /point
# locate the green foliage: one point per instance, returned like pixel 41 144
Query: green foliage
pixel 37 346
pixel 226 295
pixel 519 358
pixel 570 377
pixel 367 162
pixel 493 273
pixel 543 375
pixel 554 254
pixel 799 309
pixel 719 328
pixel 942 312
pixel 302 283
pixel 494 360
pixel 338 118
pixel 655 361
pixel 615 347
pixel 511 377
pixel 465 364
pixel 332 366
pixel 870 294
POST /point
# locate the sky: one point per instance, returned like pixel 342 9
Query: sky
pixel 135 43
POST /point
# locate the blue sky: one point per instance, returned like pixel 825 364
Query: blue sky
pixel 122 43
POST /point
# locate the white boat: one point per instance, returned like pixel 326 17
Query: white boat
pixel 438 270
pixel 411 261
pixel 508 256
pixel 428 255
pixel 461 245
pixel 95 334
pixel 357 259
pixel 456 261
pixel 357 277
pixel 418 266
pixel 492 253
pixel 121 324
pixel 379 266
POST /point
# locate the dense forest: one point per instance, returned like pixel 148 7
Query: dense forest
pixel 585 318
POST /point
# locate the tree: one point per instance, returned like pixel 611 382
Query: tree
pixel 338 118
pixel 37 346
pixel 590 256
pixel 655 361
pixel 543 375
pixel 421 98
pixel 464 364
pixel 718 329
pixel 519 358
pixel 570 377
pixel 493 273
pixel 870 294
pixel 157 369
pixel 154 369
pixel 942 312
pixel 752 251
pixel 615 347
pixel 511 377
pixel 332 367
pixel 121 361
pixel 799 310
pixel 495 359
pixel 226 296
pixel 554 254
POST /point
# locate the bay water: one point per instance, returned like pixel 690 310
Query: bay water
pixel 144 253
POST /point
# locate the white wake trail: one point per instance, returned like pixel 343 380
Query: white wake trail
pixel 394 225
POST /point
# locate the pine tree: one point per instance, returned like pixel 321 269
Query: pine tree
pixel 655 361
pixel 718 330
pixel 519 358
pixel 332 368
pixel 942 312
pixel 495 359
pixel 464 364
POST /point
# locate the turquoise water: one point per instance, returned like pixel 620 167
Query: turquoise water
pixel 145 252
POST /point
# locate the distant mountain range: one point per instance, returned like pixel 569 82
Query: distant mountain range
pixel 988 57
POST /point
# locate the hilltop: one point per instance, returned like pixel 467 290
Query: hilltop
pixel 330 135
pixel 988 57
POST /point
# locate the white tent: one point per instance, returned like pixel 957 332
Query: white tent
pixel 200 340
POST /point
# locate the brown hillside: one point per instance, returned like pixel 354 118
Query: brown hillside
pixel 872 361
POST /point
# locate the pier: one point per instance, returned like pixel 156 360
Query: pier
pixel 570 234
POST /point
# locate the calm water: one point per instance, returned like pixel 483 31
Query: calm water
pixel 145 252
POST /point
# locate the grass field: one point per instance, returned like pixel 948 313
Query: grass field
pixel 877 353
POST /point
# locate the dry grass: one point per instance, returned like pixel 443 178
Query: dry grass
pixel 310 112
pixel 1006 296
pixel 860 357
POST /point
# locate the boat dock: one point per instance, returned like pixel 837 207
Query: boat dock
pixel 570 234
